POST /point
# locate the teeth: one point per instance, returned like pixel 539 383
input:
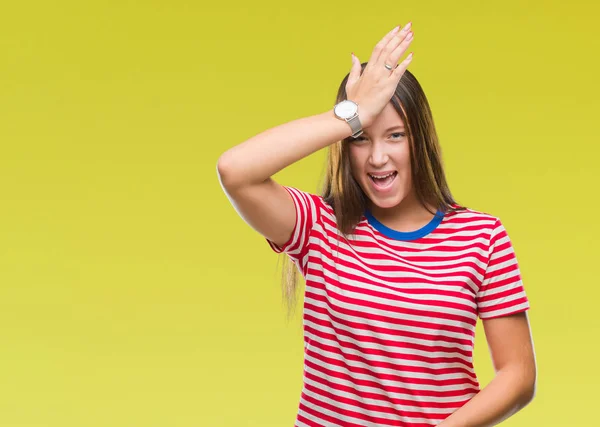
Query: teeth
pixel 383 176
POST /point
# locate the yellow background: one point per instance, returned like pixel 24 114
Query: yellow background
pixel 131 293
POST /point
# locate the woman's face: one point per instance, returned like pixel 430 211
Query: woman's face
pixel 383 148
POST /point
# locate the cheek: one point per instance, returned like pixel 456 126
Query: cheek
pixel 403 160
pixel 355 163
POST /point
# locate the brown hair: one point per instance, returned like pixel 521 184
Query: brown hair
pixel 346 197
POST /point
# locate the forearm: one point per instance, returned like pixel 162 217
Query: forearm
pixel 265 154
pixel 509 391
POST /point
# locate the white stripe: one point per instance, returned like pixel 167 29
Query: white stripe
pixel 499 289
pixel 401 245
pixel 314 419
pixel 498 301
pixel 515 308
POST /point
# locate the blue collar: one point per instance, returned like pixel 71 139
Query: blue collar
pixel 405 235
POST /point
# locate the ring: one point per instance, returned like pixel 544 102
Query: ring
pixel 389 67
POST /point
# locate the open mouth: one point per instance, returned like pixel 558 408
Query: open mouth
pixel 383 182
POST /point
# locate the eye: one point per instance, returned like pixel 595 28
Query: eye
pixel 395 135
pixel 358 139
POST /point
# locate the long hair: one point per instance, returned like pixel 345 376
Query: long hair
pixel 347 199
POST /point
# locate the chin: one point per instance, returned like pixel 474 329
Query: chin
pixel 386 201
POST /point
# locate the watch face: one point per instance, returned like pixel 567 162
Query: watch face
pixel 346 109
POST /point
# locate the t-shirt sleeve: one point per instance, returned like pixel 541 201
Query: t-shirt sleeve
pixel 501 292
pixel 307 215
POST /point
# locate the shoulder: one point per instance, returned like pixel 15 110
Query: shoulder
pixel 467 218
pixel 465 213
pixel 310 202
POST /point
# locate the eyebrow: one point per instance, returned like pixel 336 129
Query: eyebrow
pixel 394 127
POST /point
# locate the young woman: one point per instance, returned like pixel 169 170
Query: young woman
pixel 396 272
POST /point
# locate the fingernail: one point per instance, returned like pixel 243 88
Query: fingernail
pixel 405 29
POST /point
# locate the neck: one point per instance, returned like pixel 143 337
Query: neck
pixel 408 215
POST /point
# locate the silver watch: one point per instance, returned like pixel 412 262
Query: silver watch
pixel 348 110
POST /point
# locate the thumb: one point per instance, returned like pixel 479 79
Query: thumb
pixel 354 71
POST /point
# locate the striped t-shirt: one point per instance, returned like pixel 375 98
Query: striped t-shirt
pixel 389 317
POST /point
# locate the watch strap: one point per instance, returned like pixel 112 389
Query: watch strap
pixel 355 125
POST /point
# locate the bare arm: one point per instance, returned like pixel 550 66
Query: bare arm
pixel 245 171
pixel 514 386
pixel 260 157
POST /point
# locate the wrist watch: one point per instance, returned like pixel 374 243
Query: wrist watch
pixel 348 110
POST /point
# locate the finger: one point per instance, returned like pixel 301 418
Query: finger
pixel 401 68
pixel 354 71
pixel 382 43
pixel 391 45
pixel 394 55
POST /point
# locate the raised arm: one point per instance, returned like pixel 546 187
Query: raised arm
pixel 245 170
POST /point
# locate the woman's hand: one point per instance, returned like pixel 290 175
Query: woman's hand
pixel 374 88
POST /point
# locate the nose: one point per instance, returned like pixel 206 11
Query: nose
pixel 378 156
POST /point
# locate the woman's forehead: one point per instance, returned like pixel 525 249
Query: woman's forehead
pixel 386 120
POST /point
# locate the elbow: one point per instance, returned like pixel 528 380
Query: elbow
pixel 522 381
pixel 528 394
pixel 224 172
pixel 532 390
pixel 235 172
pixel 221 165
pixel 529 386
